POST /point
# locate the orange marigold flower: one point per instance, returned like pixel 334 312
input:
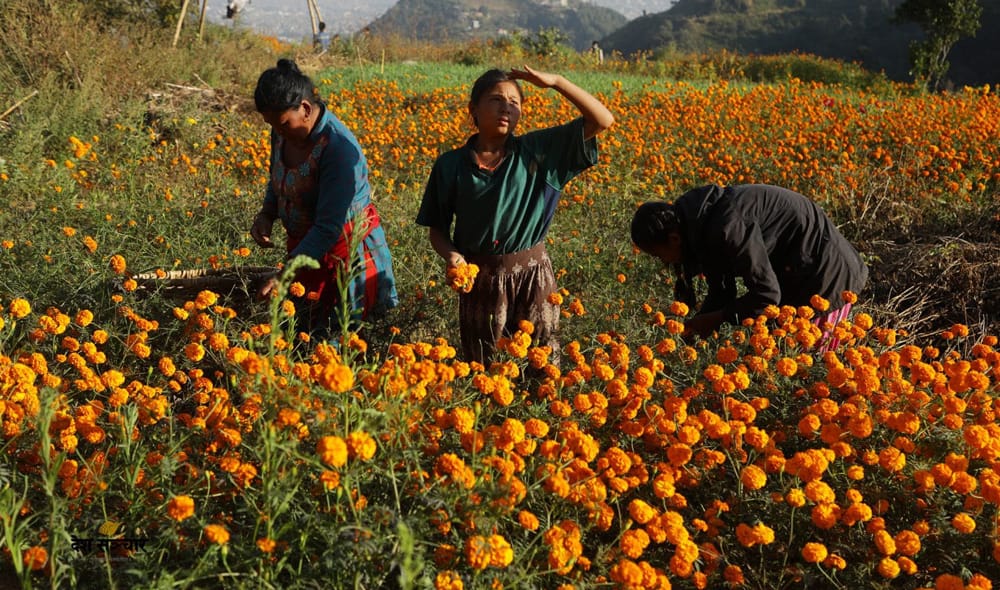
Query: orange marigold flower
pixel 462 277
pixel 963 523
pixel 265 544
pixel 814 552
pixel 888 568
pixel 117 264
pixel 19 308
pixel 216 533
pixel 634 542
pixel 448 580
pixel 35 558
pixel 641 512
pixel 753 477
pixel 361 445
pixel 332 450
pixel 180 507
pixel 194 351
pixel 527 520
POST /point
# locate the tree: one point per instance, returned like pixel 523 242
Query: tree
pixel 944 22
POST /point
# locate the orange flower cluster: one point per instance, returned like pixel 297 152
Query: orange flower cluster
pixel 462 277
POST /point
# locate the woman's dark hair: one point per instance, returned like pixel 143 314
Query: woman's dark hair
pixel 488 80
pixel 652 223
pixel 283 87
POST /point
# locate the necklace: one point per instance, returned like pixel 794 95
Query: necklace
pixel 490 165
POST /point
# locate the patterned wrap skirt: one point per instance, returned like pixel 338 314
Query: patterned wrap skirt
pixel 365 274
pixel 509 288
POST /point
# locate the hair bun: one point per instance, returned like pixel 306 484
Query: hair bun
pixel 286 64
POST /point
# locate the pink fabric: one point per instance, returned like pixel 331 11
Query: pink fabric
pixel 828 341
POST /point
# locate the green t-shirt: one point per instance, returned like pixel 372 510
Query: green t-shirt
pixel 511 208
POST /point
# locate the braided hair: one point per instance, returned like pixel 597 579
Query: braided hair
pixel 652 223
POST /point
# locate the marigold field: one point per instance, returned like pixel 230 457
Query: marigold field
pixel 157 441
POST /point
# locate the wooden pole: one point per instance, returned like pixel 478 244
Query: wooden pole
pixel 17 104
pixel 201 19
pixel 180 21
pixel 313 16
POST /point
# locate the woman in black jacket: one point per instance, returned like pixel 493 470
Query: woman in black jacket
pixel 780 243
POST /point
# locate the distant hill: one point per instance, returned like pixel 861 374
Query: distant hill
pixel 437 20
pixel 850 30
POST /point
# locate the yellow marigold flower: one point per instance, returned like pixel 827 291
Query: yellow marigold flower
pixel 296 289
pixel 814 552
pixel 90 244
pixel 35 558
pixel 753 477
pixel 963 523
pixel 332 450
pixel 19 308
pixel 216 533
pixel 555 298
pixel 180 507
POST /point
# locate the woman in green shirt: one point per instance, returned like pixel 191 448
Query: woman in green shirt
pixel 491 201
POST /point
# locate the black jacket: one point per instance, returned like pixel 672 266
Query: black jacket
pixel 779 242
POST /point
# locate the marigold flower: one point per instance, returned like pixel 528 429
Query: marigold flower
pixel 332 450
pixel 963 523
pixel 462 277
pixel 448 580
pixel 35 558
pixel 641 512
pixel 360 445
pixel 266 545
pixel 19 308
pixel 216 533
pixel 753 477
pixel 814 552
pixel 117 264
pixel 888 568
pixel 180 507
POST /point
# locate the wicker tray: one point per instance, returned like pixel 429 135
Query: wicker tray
pixel 240 282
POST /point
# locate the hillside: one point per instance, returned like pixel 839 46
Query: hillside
pixel 850 30
pixel 438 20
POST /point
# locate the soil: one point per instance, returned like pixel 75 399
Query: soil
pixel 927 282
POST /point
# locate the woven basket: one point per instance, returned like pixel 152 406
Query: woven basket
pixel 239 282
